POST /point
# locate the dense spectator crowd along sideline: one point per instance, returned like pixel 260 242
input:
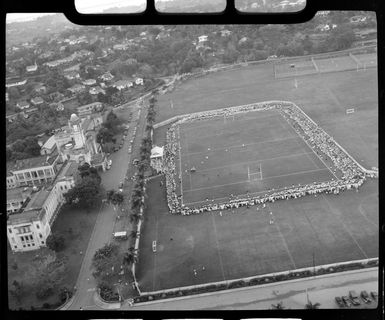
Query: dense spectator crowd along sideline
pixel 351 175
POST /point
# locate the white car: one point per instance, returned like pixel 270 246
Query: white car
pixel 109 162
pixel 154 246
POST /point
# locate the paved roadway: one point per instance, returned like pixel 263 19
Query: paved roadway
pixel 85 285
pixel 321 289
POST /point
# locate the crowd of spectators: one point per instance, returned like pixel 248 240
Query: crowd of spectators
pixel 351 174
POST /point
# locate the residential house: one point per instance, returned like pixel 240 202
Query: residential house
pixel 37 101
pixel 77 88
pixel 71 75
pixel 139 81
pixel 40 88
pixel 16 84
pixel 89 109
pixel 89 82
pixel 123 84
pixel 11 117
pixel 106 76
pixel 32 68
pixel 22 105
pixel 203 38
pixel 225 33
pixel 96 90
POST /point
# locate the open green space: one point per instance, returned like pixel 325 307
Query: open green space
pixel 245 154
pixel 328 228
pixel 76 227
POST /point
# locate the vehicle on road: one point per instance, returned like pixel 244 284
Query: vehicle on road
pixel 354 298
pixel 129 149
pixel 154 246
pixel 339 302
pixel 109 162
pixel 374 295
pixel 347 301
pixel 365 297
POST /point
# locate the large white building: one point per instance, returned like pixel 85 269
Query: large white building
pixel 77 141
pixel 33 171
pixel 29 228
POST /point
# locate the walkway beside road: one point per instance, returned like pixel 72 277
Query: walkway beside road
pixel 293 294
pixel 104 226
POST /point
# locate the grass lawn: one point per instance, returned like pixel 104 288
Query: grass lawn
pixel 330 228
pixel 242 244
pixel 76 226
pixel 245 154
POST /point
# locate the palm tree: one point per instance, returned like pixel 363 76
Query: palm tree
pixel 311 305
pixel 133 234
pixel 134 218
pixel 278 306
pixel 129 258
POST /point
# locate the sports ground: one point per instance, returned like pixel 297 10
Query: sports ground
pixel 324 229
pixel 245 154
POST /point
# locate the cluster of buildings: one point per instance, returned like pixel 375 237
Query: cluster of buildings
pixel 36 186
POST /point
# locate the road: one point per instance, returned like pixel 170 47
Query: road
pixel 104 225
pixel 321 289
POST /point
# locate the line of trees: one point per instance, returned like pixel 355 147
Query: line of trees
pixel 86 193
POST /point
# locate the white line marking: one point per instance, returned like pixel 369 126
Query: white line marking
pixel 313 151
pixel 244 181
pixel 240 145
pixel 343 224
pixel 252 162
pixel 219 252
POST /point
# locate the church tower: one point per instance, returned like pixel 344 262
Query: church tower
pixel 77 132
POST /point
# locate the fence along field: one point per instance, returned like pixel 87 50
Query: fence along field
pixel 314 65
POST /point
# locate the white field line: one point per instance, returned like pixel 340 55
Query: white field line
pixel 314 151
pixel 255 161
pixel 217 242
pixel 285 244
pixel 244 181
pixel 239 145
pixel 343 224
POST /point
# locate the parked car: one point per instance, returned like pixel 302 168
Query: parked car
pixel 354 297
pixel 374 295
pixel 116 149
pixel 339 302
pixel 346 300
pixel 109 162
pixel 135 162
pixel 365 297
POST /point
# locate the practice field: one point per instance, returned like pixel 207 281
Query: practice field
pixel 245 154
pixel 330 228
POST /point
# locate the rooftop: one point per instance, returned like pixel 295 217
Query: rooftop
pixel 37 200
pixel 24 217
pixel 70 169
pixel 35 162
pixel 18 193
pixel 49 143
